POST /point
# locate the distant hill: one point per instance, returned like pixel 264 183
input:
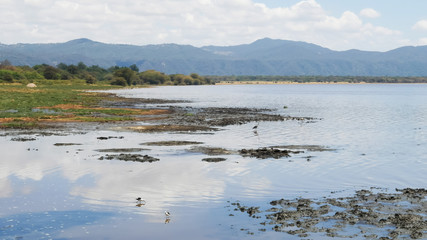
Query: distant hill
pixel 262 57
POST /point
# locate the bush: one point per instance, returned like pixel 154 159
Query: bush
pixel 9 75
pixel 6 76
pixel 119 81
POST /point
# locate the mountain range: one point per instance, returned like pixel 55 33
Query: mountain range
pixel 262 57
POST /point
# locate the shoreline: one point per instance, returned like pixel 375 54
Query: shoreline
pixel 299 83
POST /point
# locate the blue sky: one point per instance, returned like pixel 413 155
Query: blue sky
pixel 377 25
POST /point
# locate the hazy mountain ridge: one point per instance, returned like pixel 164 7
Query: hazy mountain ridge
pixel 262 57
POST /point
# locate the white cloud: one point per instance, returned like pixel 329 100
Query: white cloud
pixel 422 42
pixel 195 22
pixel 420 25
pixel 369 13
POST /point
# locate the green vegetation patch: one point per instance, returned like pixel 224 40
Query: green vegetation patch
pixel 24 107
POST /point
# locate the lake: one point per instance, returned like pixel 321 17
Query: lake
pixel 375 136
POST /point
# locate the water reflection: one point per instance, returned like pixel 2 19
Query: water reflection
pixel 46 225
pixel 380 141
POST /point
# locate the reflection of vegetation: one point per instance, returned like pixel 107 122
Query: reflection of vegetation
pixel 122 76
pixel 319 79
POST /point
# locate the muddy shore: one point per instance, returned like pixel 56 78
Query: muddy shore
pixel 369 214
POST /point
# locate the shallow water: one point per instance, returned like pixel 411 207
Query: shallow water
pixel 378 133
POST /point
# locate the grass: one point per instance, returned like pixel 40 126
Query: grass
pixel 23 107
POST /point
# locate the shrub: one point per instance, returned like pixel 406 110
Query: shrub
pixel 119 81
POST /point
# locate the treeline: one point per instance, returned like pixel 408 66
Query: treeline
pixel 319 79
pixel 123 76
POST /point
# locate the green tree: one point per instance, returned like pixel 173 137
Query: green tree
pixel 72 69
pixel 62 66
pixel 153 77
pixel 118 81
pixel 6 76
pixel 195 76
pixel 81 66
pixel 50 72
pixel 134 68
pixel 125 73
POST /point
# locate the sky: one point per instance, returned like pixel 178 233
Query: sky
pixel 374 25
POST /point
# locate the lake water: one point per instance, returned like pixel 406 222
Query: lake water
pixel 378 134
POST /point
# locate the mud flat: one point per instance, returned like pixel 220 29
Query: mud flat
pixel 168 128
pixel 171 143
pixel 215 116
pixel 67 144
pixel 129 157
pixel 264 153
pixel 367 215
pixel 214 160
pixel 211 151
pixel 122 150
pixel 259 153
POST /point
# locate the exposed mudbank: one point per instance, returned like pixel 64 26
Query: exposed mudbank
pixel 122 150
pixel 23 139
pixel 368 215
pixel 264 153
pixel 211 151
pixel 214 116
pixel 168 128
pixel 130 157
pixel 311 148
pixel 110 137
pixel 67 144
pixel 168 118
pixel 260 153
pixel 171 143
pixel 214 160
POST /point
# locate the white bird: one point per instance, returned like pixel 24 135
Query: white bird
pixel 256 126
pixel 167 213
